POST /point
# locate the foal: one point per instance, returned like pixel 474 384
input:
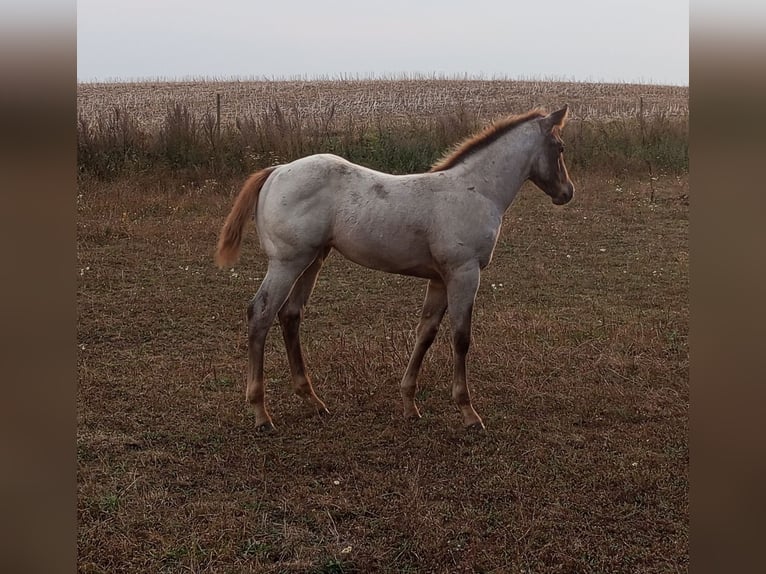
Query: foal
pixel 441 225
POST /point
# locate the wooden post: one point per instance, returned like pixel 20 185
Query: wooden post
pixel 218 114
pixel 644 150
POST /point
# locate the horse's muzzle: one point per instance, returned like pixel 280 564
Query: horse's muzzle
pixel 565 196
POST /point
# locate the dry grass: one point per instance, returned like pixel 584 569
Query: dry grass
pixel 399 126
pixel 579 368
pixel 368 102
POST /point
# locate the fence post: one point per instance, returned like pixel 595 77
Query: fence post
pixel 218 114
pixel 644 150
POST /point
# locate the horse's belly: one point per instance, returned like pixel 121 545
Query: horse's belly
pixel 387 253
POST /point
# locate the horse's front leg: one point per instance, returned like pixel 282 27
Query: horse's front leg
pixel 434 306
pixel 461 294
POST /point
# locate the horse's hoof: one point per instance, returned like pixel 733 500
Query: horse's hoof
pixel 265 428
pixel 322 412
pixel 476 427
pixel 412 419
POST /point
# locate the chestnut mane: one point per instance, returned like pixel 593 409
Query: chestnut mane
pixel 483 138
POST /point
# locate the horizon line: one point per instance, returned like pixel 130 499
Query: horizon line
pixel 367 77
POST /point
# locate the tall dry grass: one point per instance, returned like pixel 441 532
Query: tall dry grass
pixel 114 143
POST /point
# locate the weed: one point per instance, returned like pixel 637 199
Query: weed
pixel 110 503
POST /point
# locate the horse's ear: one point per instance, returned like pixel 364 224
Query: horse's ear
pixel 556 119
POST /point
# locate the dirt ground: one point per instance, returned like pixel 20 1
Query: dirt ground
pixel 579 367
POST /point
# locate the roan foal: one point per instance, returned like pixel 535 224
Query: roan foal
pixel 441 225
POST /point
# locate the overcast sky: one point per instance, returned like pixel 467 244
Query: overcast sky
pixel 583 40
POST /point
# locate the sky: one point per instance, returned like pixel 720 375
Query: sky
pixel 584 40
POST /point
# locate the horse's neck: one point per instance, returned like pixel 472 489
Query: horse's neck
pixel 499 170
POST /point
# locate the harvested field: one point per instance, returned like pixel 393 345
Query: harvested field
pixel 388 101
pixel 579 368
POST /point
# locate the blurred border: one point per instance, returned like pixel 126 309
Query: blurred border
pixel 728 278
pixel 38 312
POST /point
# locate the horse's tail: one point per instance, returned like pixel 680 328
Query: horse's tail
pixel 227 250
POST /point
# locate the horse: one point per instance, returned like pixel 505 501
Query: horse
pixel 441 225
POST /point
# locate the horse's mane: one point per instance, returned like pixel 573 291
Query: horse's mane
pixel 482 139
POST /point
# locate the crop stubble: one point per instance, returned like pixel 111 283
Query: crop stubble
pixel 380 100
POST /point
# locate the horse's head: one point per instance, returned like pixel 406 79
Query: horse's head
pixel 548 170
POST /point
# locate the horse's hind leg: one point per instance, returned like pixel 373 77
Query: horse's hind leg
pixel 434 306
pixel 271 295
pixel 290 316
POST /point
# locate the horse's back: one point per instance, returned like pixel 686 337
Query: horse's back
pixel 373 218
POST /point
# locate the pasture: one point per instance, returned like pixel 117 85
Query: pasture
pixel 579 367
pixel 579 361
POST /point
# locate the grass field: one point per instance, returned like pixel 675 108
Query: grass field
pixel 579 368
